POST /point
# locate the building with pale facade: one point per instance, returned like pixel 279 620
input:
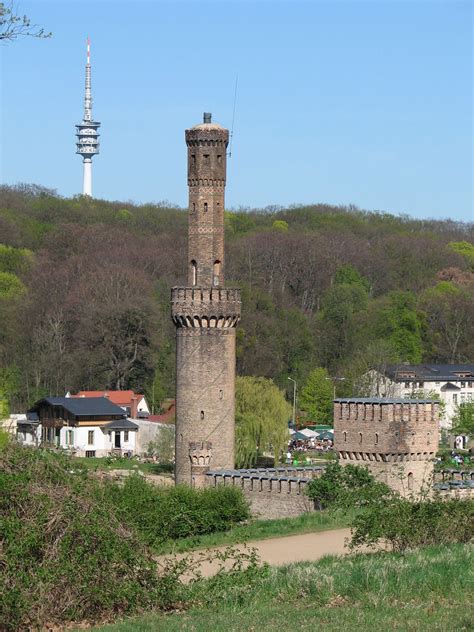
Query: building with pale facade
pixel 451 384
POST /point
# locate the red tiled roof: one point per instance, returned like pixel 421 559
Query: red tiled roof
pixel 121 398
pixel 165 418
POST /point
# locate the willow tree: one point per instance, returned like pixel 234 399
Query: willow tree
pixel 261 417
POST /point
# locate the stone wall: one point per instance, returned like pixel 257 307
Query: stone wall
pixel 271 492
pixel 396 439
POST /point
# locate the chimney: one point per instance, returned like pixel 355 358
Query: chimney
pixel 134 407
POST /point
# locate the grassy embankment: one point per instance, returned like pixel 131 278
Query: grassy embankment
pixel 111 463
pixel 261 530
pixel 426 589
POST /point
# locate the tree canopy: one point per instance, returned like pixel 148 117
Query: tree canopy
pixel 261 419
pixel 85 299
pixel 316 397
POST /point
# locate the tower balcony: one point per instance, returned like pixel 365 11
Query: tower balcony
pixel 205 307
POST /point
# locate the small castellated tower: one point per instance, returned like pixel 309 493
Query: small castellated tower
pixel 205 313
pixel 397 439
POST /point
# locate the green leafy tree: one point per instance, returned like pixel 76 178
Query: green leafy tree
pixel 280 225
pixel 261 419
pixel 13 25
pixel 465 249
pixel 10 286
pixel 463 421
pixel 14 260
pixel 348 275
pixel 346 487
pixel 401 324
pixel 163 445
pixel 316 396
pixel 449 313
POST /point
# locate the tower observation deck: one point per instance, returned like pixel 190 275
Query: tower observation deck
pixel 87 144
pixel 205 314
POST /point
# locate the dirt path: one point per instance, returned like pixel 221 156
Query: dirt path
pixel 306 547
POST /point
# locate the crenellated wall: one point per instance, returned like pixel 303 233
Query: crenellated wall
pixel 205 307
pixel 396 438
pixel 271 492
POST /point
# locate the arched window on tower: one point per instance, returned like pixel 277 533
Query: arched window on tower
pixel 410 480
pixel 360 437
pixel 205 207
pixel 194 272
pixel 216 272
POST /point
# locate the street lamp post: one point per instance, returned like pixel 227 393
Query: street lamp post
pixel 334 380
pixel 294 399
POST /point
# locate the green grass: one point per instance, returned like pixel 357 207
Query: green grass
pixel 262 530
pixel 104 463
pixel 427 589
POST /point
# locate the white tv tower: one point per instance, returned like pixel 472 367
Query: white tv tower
pixel 87 134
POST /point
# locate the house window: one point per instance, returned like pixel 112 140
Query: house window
pixel 463 384
pixel 455 398
pixel 90 454
pixel 69 437
pixel 90 437
pixel 421 384
pixel 125 435
pixel 407 384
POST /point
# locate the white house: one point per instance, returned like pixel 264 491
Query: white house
pixel 452 384
pixel 91 426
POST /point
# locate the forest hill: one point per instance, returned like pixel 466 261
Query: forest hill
pixel 84 292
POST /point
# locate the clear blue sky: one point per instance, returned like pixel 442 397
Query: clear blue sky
pixel 365 103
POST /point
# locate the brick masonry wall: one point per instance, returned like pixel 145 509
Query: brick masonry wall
pixel 269 497
pixel 396 439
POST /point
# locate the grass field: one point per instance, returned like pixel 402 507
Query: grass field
pixel 427 589
pixel 262 530
pixel 106 463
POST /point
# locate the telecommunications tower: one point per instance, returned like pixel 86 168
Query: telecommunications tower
pixel 86 132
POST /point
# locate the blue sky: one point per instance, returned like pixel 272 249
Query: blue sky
pixel 344 102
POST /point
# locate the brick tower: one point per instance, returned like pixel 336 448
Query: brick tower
pixel 397 439
pixel 205 313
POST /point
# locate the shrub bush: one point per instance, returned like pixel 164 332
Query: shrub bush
pixel 346 487
pixel 68 553
pixel 161 514
pixel 405 524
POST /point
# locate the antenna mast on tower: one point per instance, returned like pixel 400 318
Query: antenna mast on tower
pixel 87 135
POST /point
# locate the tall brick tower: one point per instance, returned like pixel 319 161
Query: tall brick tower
pixel 205 314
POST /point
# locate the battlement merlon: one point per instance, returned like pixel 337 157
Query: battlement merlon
pixel 205 307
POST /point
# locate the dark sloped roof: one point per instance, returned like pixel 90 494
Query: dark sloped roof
pixel 121 424
pixel 382 400
pixel 429 372
pixel 87 406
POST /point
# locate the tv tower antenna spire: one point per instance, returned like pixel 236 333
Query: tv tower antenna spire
pixel 87 135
